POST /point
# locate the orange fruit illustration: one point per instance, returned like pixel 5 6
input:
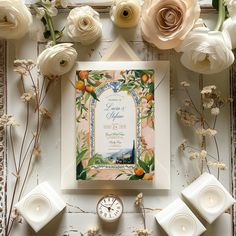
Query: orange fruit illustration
pixel 149 97
pixel 148 176
pixel 144 78
pixel 89 88
pixel 139 171
pixel 83 74
pixel 80 85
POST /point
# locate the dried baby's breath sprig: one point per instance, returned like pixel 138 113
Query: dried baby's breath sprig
pixel 206 132
pixel 193 114
pixel 28 96
pixel 45 113
pixel 218 164
pixel 8 120
pixel 142 232
pixel 215 111
pixel 188 118
pixel 139 200
pixel 93 232
pixel 139 203
pixel 194 155
pixel 184 84
pixel 183 145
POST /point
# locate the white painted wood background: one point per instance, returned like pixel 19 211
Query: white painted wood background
pixel 80 215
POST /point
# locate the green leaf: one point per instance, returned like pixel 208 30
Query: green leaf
pixel 47 34
pixel 44 21
pixel 135 177
pixel 143 165
pixel 119 175
pixel 151 87
pixel 83 175
pixel 91 82
pixel 94 95
pixel 80 155
pixel 108 76
pixel 79 169
pixel 146 158
pixel 215 4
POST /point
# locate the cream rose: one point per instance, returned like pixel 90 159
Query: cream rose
pixel 83 25
pixel 57 60
pixel 229 28
pixel 15 19
pixel 126 13
pixel 206 51
pixel 166 23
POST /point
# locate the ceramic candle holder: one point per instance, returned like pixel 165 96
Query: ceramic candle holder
pixel 208 196
pixel 40 206
pixel 178 220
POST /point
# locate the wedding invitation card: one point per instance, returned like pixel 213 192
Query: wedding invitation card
pixel 115 124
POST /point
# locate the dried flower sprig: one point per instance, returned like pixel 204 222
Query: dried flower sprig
pixel 196 117
pixel 33 95
pixel 140 205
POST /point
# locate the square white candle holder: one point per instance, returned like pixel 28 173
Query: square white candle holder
pixel 40 206
pixel 208 196
pixel 178 220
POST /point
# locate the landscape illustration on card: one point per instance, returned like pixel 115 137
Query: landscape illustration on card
pixel 115 133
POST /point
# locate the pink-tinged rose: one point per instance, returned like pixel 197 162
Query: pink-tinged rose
pixel 166 23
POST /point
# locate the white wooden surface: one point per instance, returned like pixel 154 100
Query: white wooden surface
pixel 80 213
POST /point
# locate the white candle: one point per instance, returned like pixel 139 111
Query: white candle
pixel 40 206
pixel 208 196
pixel 178 220
pixel 183 225
pixel 37 207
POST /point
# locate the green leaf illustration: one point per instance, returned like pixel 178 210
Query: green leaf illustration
pixel 143 165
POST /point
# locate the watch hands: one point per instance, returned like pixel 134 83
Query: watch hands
pixel 109 208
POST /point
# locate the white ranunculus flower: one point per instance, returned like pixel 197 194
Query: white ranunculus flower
pixel 206 51
pixel 229 27
pixel 57 60
pixel 15 19
pixel 126 13
pixel 83 25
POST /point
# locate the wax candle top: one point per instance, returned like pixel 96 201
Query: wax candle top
pixel 178 220
pixel 208 196
pixel 40 206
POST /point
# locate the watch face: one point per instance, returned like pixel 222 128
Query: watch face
pixel 110 208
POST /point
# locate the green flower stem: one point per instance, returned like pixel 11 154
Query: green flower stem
pixel 51 28
pixel 221 15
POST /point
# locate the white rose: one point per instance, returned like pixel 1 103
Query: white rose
pixel 15 19
pixel 57 60
pixel 83 25
pixel 166 23
pixel 229 28
pixel 36 30
pixel 126 13
pixel 206 51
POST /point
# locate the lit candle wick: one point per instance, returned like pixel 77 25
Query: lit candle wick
pixel 37 208
pixel 183 228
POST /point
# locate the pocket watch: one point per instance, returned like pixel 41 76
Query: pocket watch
pixel 110 208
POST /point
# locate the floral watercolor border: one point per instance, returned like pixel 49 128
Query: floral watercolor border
pixel 3 161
